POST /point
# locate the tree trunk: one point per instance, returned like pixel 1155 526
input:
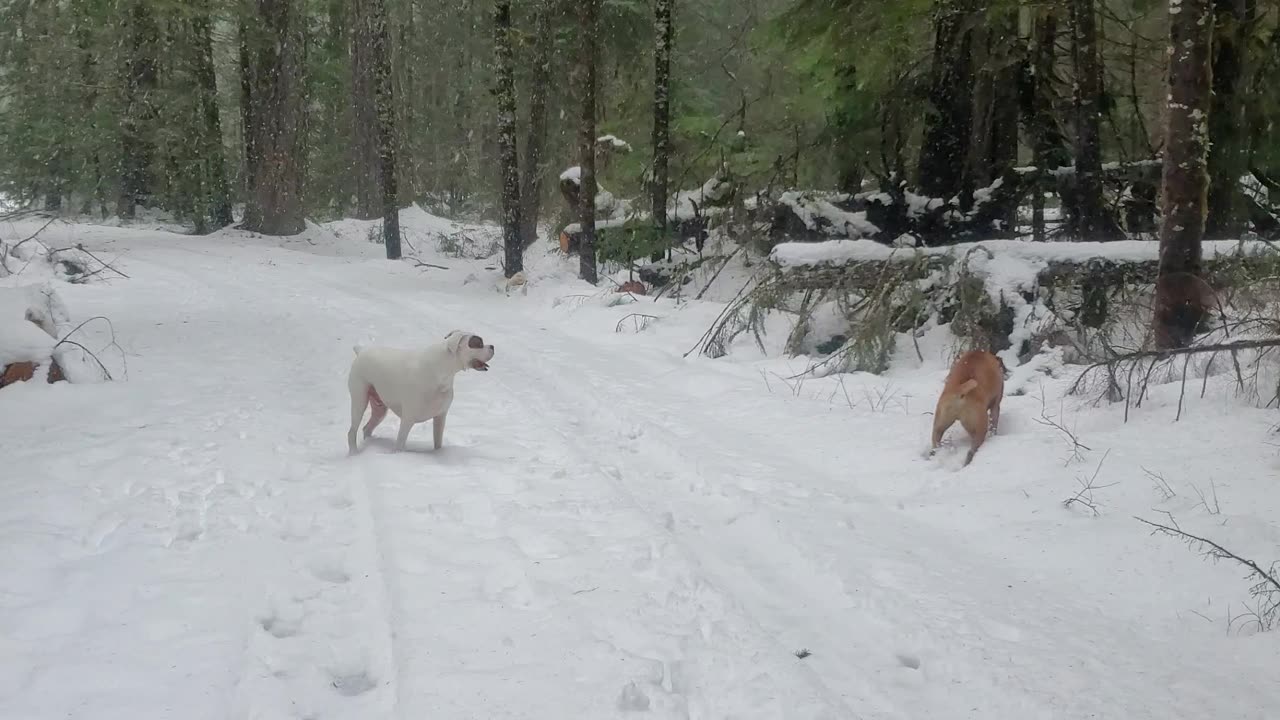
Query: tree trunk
pixel 385 122
pixel 950 109
pixel 364 146
pixel 139 82
pixel 977 166
pixel 507 151
pixel 1006 47
pixel 89 78
pixel 1040 108
pixel 275 118
pixel 1093 220
pixel 218 191
pixel 663 32
pixel 588 28
pixel 410 161
pixel 535 143
pixel 1181 300
pixel 248 119
pixel 1228 128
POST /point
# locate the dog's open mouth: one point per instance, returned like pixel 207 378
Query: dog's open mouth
pixel 479 365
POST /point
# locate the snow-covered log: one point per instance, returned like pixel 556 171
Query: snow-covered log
pixel 1016 276
pixel 27 338
pixel 34 331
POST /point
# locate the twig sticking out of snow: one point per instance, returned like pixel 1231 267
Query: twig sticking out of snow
pixel 1076 446
pixel 1087 487
pixel 66 340
pixel 1162 486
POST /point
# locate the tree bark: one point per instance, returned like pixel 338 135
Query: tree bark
pixel 1093 220
pixel 588 28
pixel 139 82
pixel 248 117
pixel 274 51
pixel 535 142
pixel 385 122
pixel 507 152
pixel 663 31
pixel 364 146
pixel 1228 124
pixel 950 108
pixel 218 191
pixel 1181 300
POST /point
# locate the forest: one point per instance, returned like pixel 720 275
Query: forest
pixel 800 359
pixel 920 122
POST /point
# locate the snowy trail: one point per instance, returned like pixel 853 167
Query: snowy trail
pixel 889 606
pixel 610 531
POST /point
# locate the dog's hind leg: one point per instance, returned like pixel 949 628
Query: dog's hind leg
pixel 377 416
pixel 437 430
pixel 942 421
pixel 977 429
pixel 359 401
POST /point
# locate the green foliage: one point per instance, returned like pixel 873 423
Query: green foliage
pixel 809 93
pixel 625 243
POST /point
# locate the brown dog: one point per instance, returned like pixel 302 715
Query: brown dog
pixel 971 395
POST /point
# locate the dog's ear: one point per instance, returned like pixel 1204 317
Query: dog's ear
pixel 455 340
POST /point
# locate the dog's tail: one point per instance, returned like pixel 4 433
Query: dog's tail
pixel 967 387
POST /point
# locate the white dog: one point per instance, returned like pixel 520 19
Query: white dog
pixel 417 385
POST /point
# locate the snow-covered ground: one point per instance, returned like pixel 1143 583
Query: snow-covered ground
pixel 612 530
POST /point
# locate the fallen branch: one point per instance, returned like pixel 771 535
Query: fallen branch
pixel 419 263
pixel 730 306
pixel 1167 354
pixel 1267 587
pixel 7 249
pixel 66 340
pixel 105 265
pixel 638 318
pixel 723 265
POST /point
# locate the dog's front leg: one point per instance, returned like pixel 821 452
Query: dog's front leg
pixel 402 437
pixel 437 430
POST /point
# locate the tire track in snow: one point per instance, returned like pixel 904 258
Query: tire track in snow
pixel 320 647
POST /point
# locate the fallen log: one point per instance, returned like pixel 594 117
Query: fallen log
pixel 1053 265
pixel 997 286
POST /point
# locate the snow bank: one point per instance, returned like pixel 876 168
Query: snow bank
pixel 20 339
pixel 425 235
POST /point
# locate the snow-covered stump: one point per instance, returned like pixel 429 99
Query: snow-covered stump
pixel 851 299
